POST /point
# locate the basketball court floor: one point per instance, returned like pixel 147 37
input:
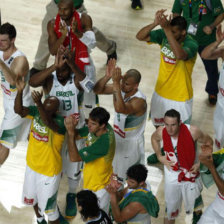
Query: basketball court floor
pixel 120 23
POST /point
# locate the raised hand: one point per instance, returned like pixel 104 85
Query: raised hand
pixel 158 15
pixel 59 58
pixel 207 30
pixel 110 67
pixel 63 28
pixel 20 83
pixel 70 124
pixel 37 97
pixel 116 76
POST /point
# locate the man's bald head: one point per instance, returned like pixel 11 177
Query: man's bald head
pixel 135 74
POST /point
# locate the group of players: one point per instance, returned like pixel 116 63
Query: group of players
pixel 60 138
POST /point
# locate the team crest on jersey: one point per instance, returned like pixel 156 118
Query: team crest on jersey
pixel 168 55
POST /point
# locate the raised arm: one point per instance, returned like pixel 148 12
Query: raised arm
pixel 206 158
pixel 45 116
pixel 87 36
pixel 70 124
pixel 101 86
pixel 54 42
pixel 213 51
pixel 143 34
pixel 19 67
pixel 176 47
pixel 18 105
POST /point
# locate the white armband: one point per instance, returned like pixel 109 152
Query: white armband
pixel 87 84
pixel 89 39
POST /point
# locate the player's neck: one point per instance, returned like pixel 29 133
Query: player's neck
pixel 7 54
pixel 131 93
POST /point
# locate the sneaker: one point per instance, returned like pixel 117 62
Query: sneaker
pixel 113 55
pixel 42 222
pixel 34 71
pixel 70 210
pixel 62 219
pixel 212 99
pixel 136 4
pixel 196 217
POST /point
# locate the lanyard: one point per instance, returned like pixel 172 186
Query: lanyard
pixel 201 6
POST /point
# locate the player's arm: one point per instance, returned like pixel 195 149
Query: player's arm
pixel 101 86
pixel 70 124
pixel 206 158
pixel 54 42
pixel 143 34
pixel 135 106
pixel 176 47
pixel 18 105
pixel 177 8
pixel 155 141
pixel 19 67
pixel 87 36
pixel 213 51
pixel 131 210
pixel 45 117
pixel 200 137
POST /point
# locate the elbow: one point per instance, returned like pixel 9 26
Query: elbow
pixel 119 219
pixel 139 37
pixel 32 83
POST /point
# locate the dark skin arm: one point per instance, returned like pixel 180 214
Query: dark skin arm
pixel 70 124
pixel 206 158
pixel 18 106
pixel 45 116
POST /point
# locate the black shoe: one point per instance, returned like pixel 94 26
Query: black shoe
pixel 212 99
pixel 112 56
pixel 136 4
pixel 33 71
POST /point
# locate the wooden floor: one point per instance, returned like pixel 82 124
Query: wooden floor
pixel 120 23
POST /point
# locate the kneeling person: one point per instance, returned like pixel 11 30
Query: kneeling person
pixel 137 203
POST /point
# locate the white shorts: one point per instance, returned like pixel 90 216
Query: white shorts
pixel 128 152
pixel 219 126
pixel 104 199
pixel 9 138
pixel 160 105
pixel 71 169
pixel 41 189
pixel 176 192
pixel 214 214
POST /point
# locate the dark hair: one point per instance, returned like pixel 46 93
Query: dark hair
pixel 135 74
pixel 180 22
pixel 138 172
pixel 100 115
pixel 89 203
pixel 9 29
pixel 173 113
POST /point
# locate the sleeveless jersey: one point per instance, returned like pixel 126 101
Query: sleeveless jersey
pixel 70 98
pixel 10 92
pixel 129 126
pixel 221 87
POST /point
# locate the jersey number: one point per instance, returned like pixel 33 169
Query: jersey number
pixel 67 105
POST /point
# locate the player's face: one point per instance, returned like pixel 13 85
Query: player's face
pixel 128 84
pixel 51 105
pixel 172 126
pixel 63 73
pixel 65 11
pixel 5 42
pixel 132 184
pixel 177 33
pixel 93 126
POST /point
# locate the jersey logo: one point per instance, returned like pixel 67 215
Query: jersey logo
pixel 65 94
pixel 167 52
pixel 118 131
pixel 28 201
pixel 6 91
pixel 39 137
pixel 39 128
pixel 221 90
